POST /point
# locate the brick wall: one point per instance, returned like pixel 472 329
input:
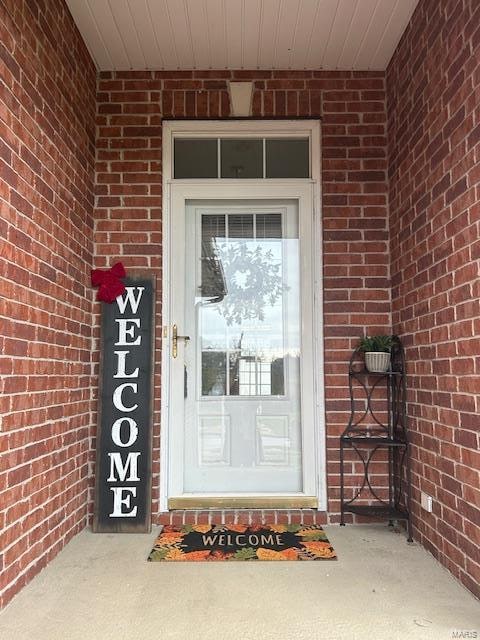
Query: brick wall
pixel 130 109
pixel 46 182
pixel 48 229
pixel 434 147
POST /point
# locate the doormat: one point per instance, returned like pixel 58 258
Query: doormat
pixel 210 542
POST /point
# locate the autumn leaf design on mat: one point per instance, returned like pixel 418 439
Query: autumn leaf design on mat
pixel 169 539
pixel 319 549
pixel 178 555
pixel 201 528
pixel 241 542
pixel 271 554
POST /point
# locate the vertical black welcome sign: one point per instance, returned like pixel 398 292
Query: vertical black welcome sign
pixel 124 438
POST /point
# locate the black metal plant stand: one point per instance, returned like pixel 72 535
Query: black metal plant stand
pixel 368 433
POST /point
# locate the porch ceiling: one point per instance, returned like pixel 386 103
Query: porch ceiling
pixel 241 34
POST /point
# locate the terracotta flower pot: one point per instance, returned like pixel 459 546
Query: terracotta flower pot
pixel 377 361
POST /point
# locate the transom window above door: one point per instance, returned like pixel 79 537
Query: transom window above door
pixel 247 158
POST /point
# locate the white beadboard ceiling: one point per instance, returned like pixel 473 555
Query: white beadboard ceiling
pixel 241 34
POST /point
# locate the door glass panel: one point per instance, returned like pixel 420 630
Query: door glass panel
pixel 287 158
pixel 214 374
pixel 240 227
pixel 268 225
pixel 243 362
pixel 195 158
pixel 243 298
pixel 242 158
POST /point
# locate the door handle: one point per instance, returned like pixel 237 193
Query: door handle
pixel 175 339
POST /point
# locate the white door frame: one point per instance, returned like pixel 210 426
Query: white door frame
pixel 301 190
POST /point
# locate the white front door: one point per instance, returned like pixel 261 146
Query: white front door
pixel 241 405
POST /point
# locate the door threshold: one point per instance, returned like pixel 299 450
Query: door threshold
pixel 243 502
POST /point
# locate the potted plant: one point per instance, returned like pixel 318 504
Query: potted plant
pixel 377 351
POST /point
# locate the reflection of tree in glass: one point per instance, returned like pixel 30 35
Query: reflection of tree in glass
pixel 253 281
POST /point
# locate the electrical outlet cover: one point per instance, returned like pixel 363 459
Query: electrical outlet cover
pixel 427 502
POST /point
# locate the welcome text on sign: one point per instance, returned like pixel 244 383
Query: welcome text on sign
pixel 125 469
pixel 124 442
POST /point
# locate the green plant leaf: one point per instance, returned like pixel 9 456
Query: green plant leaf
pixel 158 554
pixel 244 554
pixel 381 343
pixel 187 528
pixel 293 528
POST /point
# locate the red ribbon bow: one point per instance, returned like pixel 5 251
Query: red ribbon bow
pixel 109 282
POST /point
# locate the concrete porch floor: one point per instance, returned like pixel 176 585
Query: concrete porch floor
pixel 100 587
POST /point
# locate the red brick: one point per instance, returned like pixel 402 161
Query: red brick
pixel 51 231
pixel 432 263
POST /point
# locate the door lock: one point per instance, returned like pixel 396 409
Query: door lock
pixel 175 339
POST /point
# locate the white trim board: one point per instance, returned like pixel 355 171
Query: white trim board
pixel 290 189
